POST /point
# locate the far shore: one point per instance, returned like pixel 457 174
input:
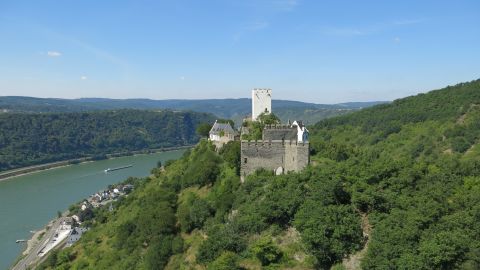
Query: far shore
pixel 6 175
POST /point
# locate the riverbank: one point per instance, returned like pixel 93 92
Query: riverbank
pixel 54 235
pixel 31 201
pixel 41 241
pixel 47 166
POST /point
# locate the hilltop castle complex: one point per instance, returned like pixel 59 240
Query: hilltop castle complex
pixel 283 148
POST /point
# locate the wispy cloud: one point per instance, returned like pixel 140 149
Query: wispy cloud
pixel 269 6
pixel 367 30
pixel 258 25
pixel 343 31
pixel 54 54
pixel 99 53
pixel 93 50
pixel 250 27
pixel 83 78
pixel 408 21
pixel 285 5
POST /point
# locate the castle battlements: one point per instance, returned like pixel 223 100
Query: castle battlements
pixel 278 126
pixel 273 142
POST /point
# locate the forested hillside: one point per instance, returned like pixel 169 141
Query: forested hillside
pixel 396 185
pixel 413 167
pixel 28 139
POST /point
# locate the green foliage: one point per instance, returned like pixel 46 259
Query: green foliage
pixel 203 129
pixel 220 238
pixel 266 251
pixel 158 253
pixel 406 165
pixel 193 213
pixel 230 152
pixel 29 139
pixel 256 127
pixel 329 232
pixel 227 261
pixel 268 119
pixel 203 167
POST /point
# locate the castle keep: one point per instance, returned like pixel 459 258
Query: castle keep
pixel 261 102
pixel 283 148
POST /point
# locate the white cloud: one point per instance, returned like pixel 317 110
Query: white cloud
pixel 54 54
pixel 83 78
pixel 182 78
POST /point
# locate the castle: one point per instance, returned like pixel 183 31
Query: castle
pixel 261 102
pixel 283 148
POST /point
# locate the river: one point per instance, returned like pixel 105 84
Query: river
pixel 29 202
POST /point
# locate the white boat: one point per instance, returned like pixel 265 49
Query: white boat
pixel 118 168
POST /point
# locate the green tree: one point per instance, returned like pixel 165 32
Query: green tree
pixel 227 261
pixel 203 129
pixel 266 251
pixel 158 253
pixel 329 232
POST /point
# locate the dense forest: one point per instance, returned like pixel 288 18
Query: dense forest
pixel 28 139
pixel 390 187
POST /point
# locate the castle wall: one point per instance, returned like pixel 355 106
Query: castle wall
pixel 270 155
pixel 219 141
pixel 279 133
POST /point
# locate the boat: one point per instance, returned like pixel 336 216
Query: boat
pixel 117 168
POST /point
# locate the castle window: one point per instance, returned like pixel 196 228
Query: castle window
pixel 245 160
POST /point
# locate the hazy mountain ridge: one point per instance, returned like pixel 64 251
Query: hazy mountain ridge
pixel 235 109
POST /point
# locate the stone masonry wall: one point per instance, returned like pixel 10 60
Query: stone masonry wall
pixel 270 155
pixel 281 133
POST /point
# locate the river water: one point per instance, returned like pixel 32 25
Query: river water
pixel 30 201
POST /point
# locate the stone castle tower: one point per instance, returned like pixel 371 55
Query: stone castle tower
pixel 283 148
pixel 261 102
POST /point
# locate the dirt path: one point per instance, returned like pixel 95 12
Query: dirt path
pixel 354 260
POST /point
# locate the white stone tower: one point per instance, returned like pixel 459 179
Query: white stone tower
pixel 261 102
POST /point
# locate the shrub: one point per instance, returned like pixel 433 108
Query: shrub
pixel 266 251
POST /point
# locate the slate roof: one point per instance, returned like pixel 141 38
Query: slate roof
pixel 218 127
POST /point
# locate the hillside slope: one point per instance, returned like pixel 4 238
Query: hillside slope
pixel 410 169
pixel 413 167
pixel 29 139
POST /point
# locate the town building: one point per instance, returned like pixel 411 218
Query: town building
pixel 75 235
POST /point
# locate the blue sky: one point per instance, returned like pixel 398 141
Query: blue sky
pixel 317 51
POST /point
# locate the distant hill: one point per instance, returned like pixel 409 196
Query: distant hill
pixel 235 109
pixel 32 138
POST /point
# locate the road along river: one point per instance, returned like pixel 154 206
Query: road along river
pixel 29 202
